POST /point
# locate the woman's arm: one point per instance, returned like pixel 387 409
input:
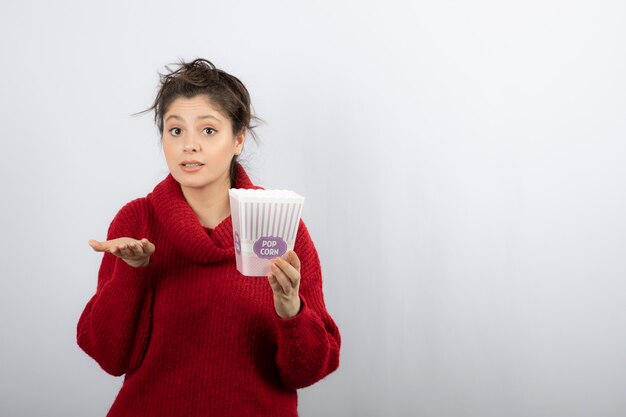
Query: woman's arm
pixel 114 327
pixel 309 343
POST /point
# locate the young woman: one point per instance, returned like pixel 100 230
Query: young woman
pixel 192 336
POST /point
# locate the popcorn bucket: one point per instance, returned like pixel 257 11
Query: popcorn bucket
pixel 265 225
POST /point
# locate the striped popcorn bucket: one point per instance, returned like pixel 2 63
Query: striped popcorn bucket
pixel 265 224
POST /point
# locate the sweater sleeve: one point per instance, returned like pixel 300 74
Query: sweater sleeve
pixel 115 324
pixel 309 343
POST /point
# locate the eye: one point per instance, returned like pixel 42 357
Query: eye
pixel 175 131
pixel 209 131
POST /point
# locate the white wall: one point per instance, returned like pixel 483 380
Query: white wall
pixel 463 164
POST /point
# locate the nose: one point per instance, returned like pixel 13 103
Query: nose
pixel 191 147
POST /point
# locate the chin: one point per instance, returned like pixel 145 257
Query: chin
pixel 186 182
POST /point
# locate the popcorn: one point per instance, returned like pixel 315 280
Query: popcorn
pixel 265 225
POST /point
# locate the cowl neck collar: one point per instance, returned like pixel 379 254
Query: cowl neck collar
pixel 183 228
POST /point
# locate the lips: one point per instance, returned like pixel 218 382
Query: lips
pixel 191 164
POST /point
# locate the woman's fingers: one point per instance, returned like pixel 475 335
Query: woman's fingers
pixel 129 251
pixel 290 272
pixel 288 285
pixel 123 251
pixel 293 259
pixel 124 247
pixel 133 250
pixel 283 281
pixel 284 278
pixel 148 247
pixel 106 246
pixel 97 246
pixel 274 283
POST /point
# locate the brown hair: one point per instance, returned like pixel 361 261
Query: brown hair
pixel 201 77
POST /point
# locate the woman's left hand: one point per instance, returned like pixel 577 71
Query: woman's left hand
pixel 284 278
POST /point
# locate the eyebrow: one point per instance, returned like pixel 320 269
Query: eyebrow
pixel 208 116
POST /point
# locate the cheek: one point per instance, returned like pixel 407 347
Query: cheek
pixel 168 153
pixel 225 148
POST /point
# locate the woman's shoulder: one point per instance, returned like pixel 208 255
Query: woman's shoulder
pixel 303 239
pixel 136 209
pixel 131 219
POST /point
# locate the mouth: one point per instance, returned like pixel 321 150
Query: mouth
pixel 191 164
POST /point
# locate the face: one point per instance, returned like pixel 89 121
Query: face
pixel 198 143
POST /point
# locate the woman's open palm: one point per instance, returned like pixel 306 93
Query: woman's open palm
pixel 132 251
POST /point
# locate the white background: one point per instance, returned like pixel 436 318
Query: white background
pixel 463 164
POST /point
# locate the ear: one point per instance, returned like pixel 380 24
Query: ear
pixel 240 139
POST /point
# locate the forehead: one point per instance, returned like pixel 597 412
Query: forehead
pixel 199 105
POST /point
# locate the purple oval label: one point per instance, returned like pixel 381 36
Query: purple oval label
pixel 269 247
pixel 237 243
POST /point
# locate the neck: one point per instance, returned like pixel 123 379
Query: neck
pixel 211 204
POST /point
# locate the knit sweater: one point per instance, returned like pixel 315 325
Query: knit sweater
pixel 193 336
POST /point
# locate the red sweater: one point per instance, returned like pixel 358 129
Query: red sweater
pixel 192 335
